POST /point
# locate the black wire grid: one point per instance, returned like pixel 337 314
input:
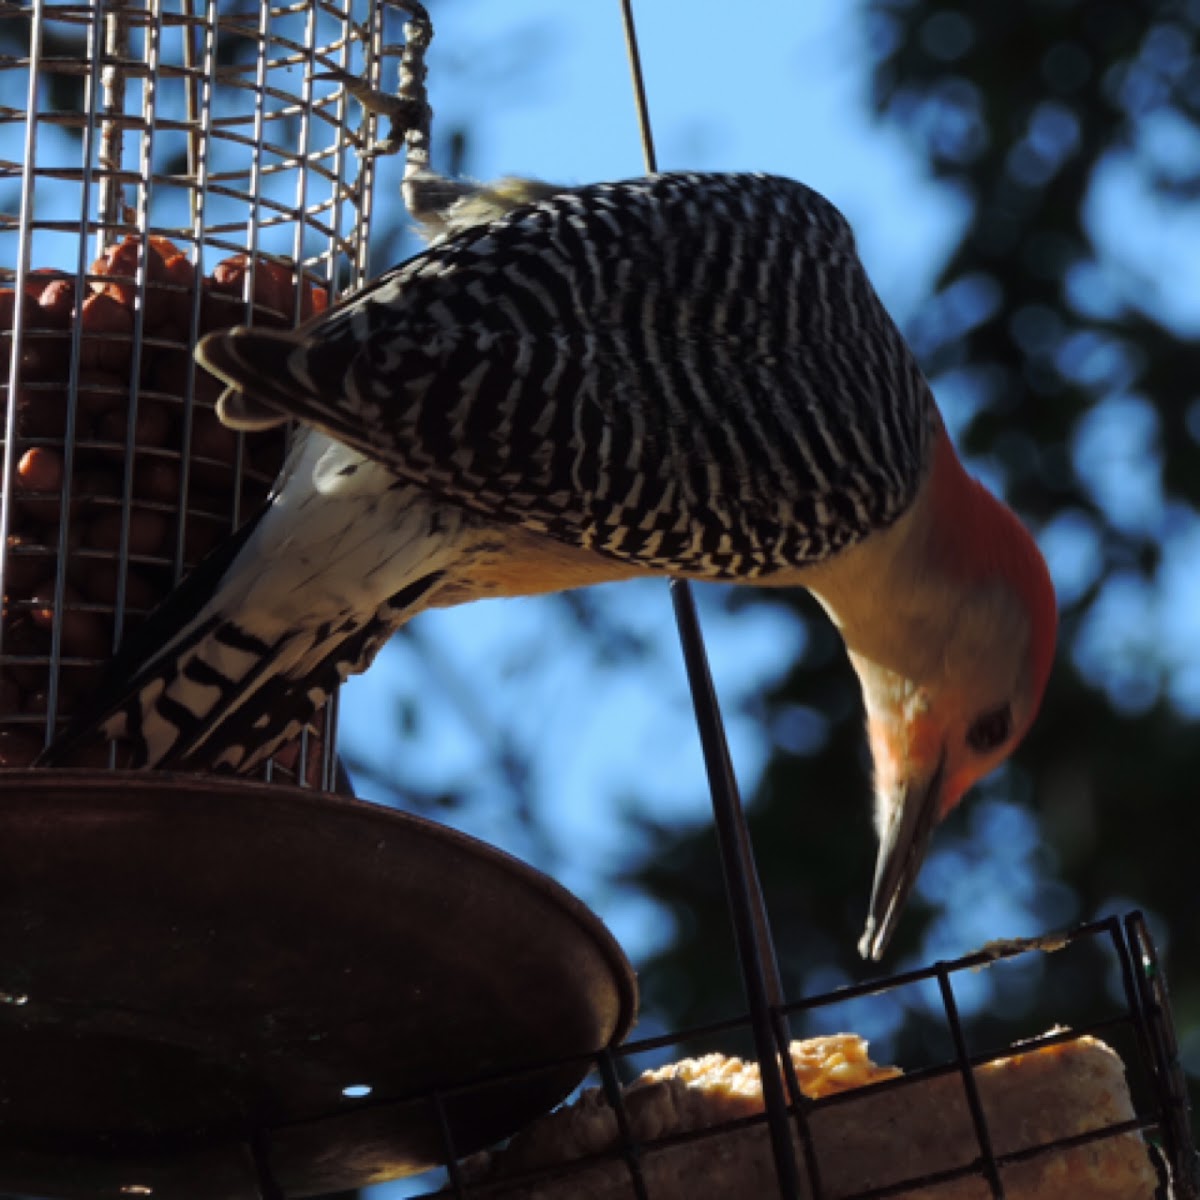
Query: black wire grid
pixel 1144 1021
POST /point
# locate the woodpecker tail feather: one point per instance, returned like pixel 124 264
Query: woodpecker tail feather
pixel 253 729
pixel 269 373
pixel 213 680
pixel 254 362
pixel 170 642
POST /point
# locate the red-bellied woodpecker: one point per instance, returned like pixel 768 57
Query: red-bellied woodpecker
pixel 684 375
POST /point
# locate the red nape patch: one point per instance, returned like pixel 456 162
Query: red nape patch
pixel 987 541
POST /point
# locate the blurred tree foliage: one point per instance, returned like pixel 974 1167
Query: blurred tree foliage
pixel 1040 329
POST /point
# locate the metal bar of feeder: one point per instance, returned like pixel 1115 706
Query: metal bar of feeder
pixel 453 1170
pixel 1169 1081
pixel 372 51
pixel 974 1104
pixel 93 89
pixel 268 1185
pixel 22 301
pixel 112 126
pixel 760 971
pixel 305 151
pixel 630 1150
pixel 151 50
pixel 1133 982
pixel 191 104
pixel 752 928
pixel 199 94
pixel 754 940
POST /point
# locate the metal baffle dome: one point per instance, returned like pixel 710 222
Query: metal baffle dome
pixel 165 170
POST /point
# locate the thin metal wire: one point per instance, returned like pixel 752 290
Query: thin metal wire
pixel 974 1104
pixel 1169 1081
pixel 756 949
pixel 268 1185
pixel 616 1101
pixel 639 86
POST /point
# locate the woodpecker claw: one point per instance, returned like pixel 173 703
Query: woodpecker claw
pixel 408 111
pixel 401 110
pixel 902 846
pixel 403 113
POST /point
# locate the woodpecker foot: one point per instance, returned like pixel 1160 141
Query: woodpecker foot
pixel 408 110
pixel 420 27
pixel 405 113
pixel 439 205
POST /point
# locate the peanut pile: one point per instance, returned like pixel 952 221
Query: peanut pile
pixel 168 507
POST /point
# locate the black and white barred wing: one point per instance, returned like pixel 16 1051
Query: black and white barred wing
pixel 687 372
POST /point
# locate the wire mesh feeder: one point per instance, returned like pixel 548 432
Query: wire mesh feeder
pixel 992 1122
pixel 162 173
pixel 190 962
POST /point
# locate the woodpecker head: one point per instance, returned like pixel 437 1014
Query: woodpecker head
pixel 951 630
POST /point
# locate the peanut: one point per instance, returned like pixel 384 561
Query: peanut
pixel 57 302
pixel 41 278
pixel 40 470
pixel 107 330
pixel 118 267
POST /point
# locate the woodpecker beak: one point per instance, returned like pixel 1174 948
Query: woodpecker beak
pixel 902 846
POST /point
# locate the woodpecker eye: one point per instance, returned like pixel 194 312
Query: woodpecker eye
pixel 991 730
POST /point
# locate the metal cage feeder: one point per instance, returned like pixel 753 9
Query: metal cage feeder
pixel 177 174
pixel 192 962
pixel 986 1162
